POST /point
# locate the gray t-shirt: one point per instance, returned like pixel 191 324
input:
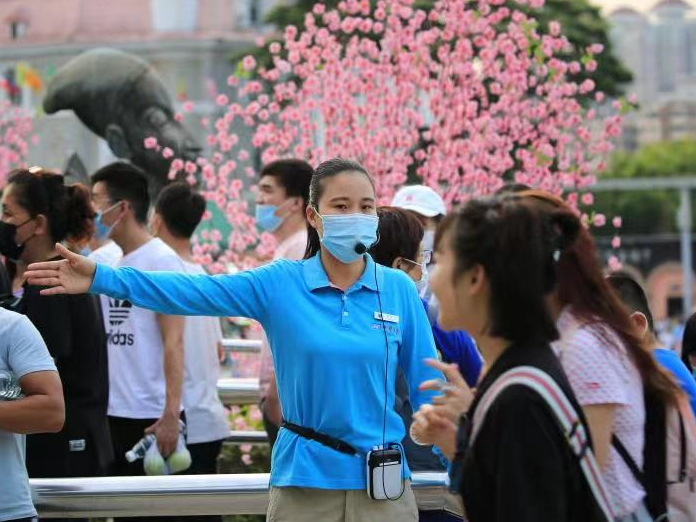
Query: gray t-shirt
pixel 22 351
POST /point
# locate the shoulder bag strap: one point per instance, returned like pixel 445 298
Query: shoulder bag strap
pixel 566 416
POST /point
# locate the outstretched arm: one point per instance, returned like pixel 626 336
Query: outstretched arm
pixel 245 294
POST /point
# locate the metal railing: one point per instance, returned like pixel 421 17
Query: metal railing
pixel 181 495
pixel 238 390
pixel 247 437
pixel 241 345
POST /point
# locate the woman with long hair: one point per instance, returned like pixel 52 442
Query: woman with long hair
pixel 611 369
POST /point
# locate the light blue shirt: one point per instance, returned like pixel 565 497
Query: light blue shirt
pixel 22 351
pixel 328 350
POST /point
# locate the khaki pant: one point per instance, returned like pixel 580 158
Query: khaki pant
pixel 327 505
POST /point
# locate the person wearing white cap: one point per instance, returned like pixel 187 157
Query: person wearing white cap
pixel 429 207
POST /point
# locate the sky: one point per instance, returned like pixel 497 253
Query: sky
pixel 640 5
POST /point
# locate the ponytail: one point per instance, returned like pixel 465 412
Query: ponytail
pixel 68 210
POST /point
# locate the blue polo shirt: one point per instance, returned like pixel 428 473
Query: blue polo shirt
pixel 328 350
pixel 669 360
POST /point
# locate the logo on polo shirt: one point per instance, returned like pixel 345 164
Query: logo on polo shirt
pixel 119 310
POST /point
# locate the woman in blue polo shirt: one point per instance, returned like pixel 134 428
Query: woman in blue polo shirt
pixel 328 319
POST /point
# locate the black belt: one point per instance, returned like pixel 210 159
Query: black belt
pixel 326 440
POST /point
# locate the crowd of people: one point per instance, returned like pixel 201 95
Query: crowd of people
pixel 487 342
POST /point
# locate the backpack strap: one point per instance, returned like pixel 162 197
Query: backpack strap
pixel 628 460
pixel 682 452
pixel 565 414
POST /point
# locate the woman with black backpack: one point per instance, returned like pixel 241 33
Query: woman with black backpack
pixel 519 447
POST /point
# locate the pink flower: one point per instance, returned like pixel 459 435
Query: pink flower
pixel 275 48
pixel 596 48
pixel 599 220
pixel 616 242
pixel 187 106
pixel 190 167
pixel 179 117
pixel 221 100
pixel 616 222
pixel 632 99
pixel 150 142
pixel 554 28
pixel 614 264
pixel 588 199
pixel 177 165
pixel 167 153
pixel 249 62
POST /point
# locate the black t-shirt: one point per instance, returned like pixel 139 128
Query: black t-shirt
pixel 73 330
pixel 520 467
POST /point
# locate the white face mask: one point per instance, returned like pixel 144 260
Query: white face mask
pixel 429 240
pixel 422 284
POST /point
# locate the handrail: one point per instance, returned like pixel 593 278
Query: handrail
pixel 180 495
pixel 236 390
pixel 241 345
pixel 247 437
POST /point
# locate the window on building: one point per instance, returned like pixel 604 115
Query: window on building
pixel 248 13
pixel 17 29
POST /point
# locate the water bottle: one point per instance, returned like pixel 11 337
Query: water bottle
pixel 140 449
pixel 9 387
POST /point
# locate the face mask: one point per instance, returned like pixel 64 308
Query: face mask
pixel 343 232
pixel 429 240
pixel 102 231
pixel 8 244
pixel 267 219
pixel 422 284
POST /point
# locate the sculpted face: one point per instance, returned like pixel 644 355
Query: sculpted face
pixel 121 99
pixel 148 112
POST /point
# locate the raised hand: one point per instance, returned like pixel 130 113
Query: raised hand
pixel 71 275
pixel 456 395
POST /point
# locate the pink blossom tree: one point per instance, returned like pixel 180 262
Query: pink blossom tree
pixel 467 95
pixel 16 126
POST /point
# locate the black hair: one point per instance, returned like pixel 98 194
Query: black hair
pixel 689 341
pixel 632 295
pixel 294 175
pixel 517 248
pixel 125 182
pixel 400 235
pixel 325 170
pixel 181 208
pixel 512 187
pixel 68 209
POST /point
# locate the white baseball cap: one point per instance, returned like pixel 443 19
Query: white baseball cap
pixel 420 199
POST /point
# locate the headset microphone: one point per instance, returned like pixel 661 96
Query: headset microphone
pixel 360 248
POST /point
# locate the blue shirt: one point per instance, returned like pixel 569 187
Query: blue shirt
pixel 669 360
pixel 458 347
pixel 328 350
pixel 22 351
